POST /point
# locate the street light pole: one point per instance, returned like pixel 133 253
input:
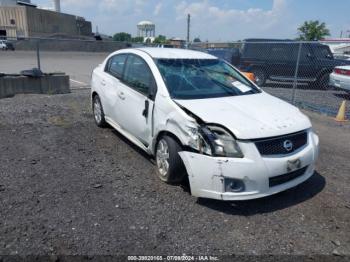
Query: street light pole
pixel 188 29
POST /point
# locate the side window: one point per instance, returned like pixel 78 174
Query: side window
pixel 282 52
pixel 305 52
pixel 116 64
pixel 138 75
pixel 257 51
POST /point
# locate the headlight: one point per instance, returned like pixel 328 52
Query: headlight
pixel 215 141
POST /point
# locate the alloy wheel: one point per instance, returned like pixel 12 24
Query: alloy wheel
pixel 97 111
pixel 162 157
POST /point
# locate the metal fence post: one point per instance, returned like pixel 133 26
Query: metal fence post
pixel 295 83
pixel 38 53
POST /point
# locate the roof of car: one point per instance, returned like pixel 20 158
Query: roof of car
pixel 175 53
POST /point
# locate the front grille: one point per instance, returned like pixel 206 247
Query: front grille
pixel 278 180
pixel 276 145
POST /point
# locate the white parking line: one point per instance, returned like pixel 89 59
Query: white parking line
pixel 82 85
pixel 78 82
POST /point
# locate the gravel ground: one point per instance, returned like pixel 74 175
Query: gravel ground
pixel 68 187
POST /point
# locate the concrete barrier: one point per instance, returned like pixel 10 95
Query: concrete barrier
pixel 48 84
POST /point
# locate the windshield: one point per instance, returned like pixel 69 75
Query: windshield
pixel 203 78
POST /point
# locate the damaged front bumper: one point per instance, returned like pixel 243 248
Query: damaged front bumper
pixel 260 176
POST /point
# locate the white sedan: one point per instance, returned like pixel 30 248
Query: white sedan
pixel 201 118
pixel 341 78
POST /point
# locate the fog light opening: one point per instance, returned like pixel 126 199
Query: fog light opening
pixel 234 185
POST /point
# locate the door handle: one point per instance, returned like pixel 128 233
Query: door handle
pixel 146 110
pixel 103 82
pixel 121 95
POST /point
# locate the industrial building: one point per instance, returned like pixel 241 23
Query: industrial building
pixel 22 19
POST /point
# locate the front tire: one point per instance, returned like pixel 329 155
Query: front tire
pixel 99 115
pixel 170 168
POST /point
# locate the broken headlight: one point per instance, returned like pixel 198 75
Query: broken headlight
pixel 215 141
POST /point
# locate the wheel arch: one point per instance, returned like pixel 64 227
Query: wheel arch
pixel 323 72
pixel 160 135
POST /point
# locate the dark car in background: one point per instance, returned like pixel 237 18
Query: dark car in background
pixel 231 55
pixel 276 60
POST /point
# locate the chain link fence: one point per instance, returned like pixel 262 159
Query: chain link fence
pixel 306 74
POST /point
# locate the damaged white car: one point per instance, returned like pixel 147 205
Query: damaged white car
pixel 200 117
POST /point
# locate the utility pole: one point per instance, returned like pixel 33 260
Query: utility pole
pixel 188 29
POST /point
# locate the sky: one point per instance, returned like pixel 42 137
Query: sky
pixel 212 20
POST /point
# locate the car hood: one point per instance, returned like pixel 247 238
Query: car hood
pixel 250 116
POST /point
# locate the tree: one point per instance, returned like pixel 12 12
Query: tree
pixel 161 39
pixel 122 37
pixel 197 40
pixel 137 39
pixel 313 31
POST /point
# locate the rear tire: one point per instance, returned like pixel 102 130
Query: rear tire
pixel 170 168
pixel 260 77
pixel 99 115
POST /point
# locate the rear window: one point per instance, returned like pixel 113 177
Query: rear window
pixel 322 52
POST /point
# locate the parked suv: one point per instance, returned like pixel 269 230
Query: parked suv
pixel 276 60
pixel 230 55
pixel 202 119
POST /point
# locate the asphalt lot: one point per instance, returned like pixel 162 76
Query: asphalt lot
pixel 80 65
pixel 68 187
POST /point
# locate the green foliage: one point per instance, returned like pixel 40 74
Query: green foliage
pixel 197 40
pixel 313 31
pixel 137 39
pixel 161 39
pixel 122 37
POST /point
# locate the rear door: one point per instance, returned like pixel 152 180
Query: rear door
pixel 307 70
pixel 282 60
pixel 136 99
pixel 112 85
